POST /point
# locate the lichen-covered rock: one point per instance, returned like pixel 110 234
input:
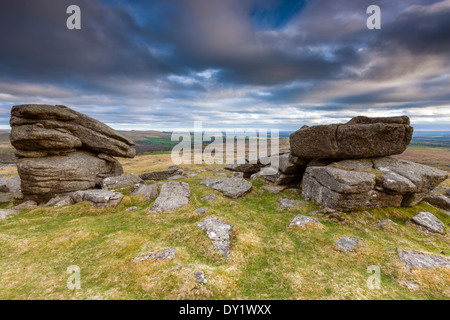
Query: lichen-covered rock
pixel 161 255
pixel 42 178
pixel 361 137
pixel 429 221
pixel 150 191
pixel 173 195
pixel 346 244
pixel 219 232
pixel 98 198
pixel 438 200
pixel 120 181
pixel 289 203
pixel 301 221
pixel 230 187
pixel 375 182
pixel 414 259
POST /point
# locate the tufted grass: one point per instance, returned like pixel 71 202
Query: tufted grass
pixel 267 259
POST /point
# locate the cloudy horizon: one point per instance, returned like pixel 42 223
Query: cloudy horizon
pixel 160 65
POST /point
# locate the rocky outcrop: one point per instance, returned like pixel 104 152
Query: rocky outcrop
pixel 361 137
pixel 376 182
pixel 60 150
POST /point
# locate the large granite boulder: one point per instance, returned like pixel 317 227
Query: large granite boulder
pixel 361 137
pixel 46 129
pixel 173 195
pixel 60 150
pixel 376 182
pixel 44 177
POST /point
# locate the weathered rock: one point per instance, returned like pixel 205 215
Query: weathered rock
pixel 133 208
pixel 209 197
pixel 176 177
pixel 161 175
pixel 230 187
pixel 26 205
pixel 59 201
pixel 120 181
pixel 429 221
pixel 173 195
pixel 281 178
pixel 150 191
pixel 274 189
pixel 247 168
pixel 438 200
pixel 6 197
pixel 219 232
pixel 346 244
pixel 288 203
pixel 42 178
pixel 301 221
pixel 98 198
pixel 385 224
pixel 377 182
pixel 200 210
pixel 161 255
pixel 200 276
pixel 46 128
pixel 5 213
pixel 361 137
pixel 414 259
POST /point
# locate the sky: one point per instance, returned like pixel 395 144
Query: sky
pixel 161 65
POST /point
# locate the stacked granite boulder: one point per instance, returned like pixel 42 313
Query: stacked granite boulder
pixel 60 150
pixel 350 166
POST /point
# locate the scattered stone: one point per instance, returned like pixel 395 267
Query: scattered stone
pixel 255 176
pixel 412 286
pixel 336 216
pixel 346 244
pixel 293 190
pixel 98 198
pixel 301 221
pixel 163 174
pixel 10 185
pixel 200 210
pixel 274 189
pixel 438 200
pixel 385 224
pixel 327 210
pixel 133 208
pixel 361 137
pixel 200 276
pixel 210 196
pixel 5 213
pixel 368 215
pixel 429 221
pixel 219 232
pixel 230 187
pixel 176 177
pixel 150 191
pixel 26 205
pixel 165 254
pixel 59 201
pixel 6 197
pixel 447 191
pixel 120 181
pixel 173 195
pixel 246 168
pixel 414 259
pixel 288 203
pixel 347 185
pixel 280 178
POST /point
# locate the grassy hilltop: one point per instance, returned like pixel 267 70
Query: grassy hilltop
pixel 268 260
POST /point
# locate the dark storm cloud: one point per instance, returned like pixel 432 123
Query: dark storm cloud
pixel 262 62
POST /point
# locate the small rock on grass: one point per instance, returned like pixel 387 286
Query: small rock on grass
pixel 288 203
pixel 133 208
pixel 26 205
pixel 414 259
pixel 301 221
pixel 219 232
pixel 346 244
pixel 200 210
pixel 209 197
pixel 165 254
pixel 200 276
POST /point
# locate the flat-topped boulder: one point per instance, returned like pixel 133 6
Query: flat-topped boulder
pixel 230 187
pixel 173 195
pixel 361 137
pixel 375 182
pixel 46 129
